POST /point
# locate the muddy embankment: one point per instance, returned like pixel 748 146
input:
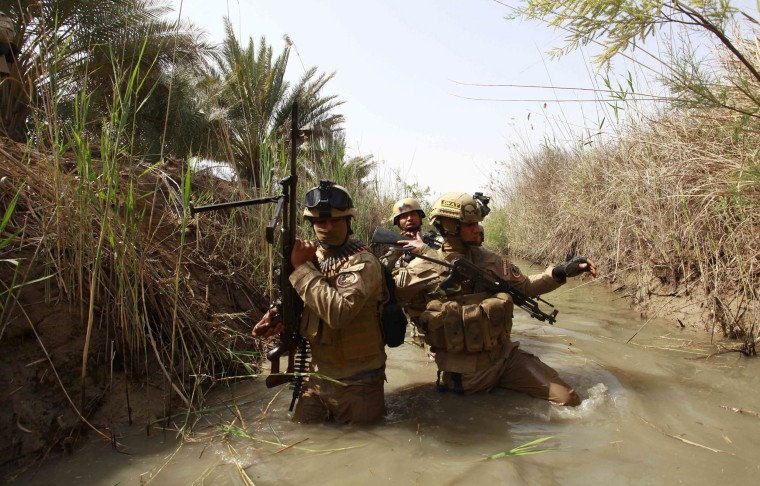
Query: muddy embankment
pixel 171 301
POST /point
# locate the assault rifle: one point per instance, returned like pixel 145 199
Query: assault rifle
pixel 462 269
pixel 388 237
pixel 287 304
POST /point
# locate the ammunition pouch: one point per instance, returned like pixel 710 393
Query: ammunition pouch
pixel 472 323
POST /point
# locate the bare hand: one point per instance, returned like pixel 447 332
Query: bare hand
pixel 303 251
pixel 415 244
pixel 269 325
pixel 589 267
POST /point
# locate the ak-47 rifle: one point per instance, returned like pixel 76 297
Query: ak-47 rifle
pixel 385 236
pixel 462 269
pixel 287 304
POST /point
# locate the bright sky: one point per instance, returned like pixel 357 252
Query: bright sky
pixel 399 67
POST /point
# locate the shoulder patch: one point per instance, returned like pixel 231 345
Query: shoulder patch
pixel 513 272
pixel 346 279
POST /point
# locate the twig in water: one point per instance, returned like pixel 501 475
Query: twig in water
pixel 244 476
pixel 291 445
pixel 647 322
pixel 685 441
pixel 741 410
pixel 266 409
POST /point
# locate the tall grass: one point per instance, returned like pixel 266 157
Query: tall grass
pixel 158 297
pixel 673 202
pixel 671 205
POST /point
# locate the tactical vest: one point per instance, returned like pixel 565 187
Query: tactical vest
pixel 468 324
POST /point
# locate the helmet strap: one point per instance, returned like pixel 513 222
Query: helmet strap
pixel 453 242
pixel 442 229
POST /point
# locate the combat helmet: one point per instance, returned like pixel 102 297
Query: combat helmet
pixel 328 200
pixel 459 206
pixel 405 205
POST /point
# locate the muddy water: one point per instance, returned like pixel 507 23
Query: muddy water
pixel 655 412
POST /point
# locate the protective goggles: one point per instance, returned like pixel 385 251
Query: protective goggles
pixel 326 197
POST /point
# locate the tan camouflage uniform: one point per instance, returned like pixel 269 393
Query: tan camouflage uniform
pixel 468 330
pixel 341 322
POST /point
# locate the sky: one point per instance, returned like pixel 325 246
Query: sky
pixel 402 69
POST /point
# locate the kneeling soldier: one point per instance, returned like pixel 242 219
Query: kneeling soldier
pixel 468 328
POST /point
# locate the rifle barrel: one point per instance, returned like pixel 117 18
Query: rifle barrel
pixel 233 204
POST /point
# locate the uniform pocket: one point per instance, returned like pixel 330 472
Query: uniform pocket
pixel 442 324
pixel 473 319
pixel 453 327
pixel 498 322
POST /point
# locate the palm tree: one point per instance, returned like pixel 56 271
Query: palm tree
pixel 93 48
pixel 249 87
pixel 325 158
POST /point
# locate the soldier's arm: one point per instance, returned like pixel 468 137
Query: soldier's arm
pixel 390 258
pixel 554 277
pixel 530 285
pixel 539 283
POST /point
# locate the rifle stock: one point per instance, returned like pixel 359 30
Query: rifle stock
pixel 287 346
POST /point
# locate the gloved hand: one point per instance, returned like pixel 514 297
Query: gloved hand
pixel 574 267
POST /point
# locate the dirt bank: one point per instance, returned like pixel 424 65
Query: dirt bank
pixel 130 376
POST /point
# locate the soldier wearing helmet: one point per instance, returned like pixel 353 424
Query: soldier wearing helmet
pixel 468 329
pixel 341 284
pixel 408 215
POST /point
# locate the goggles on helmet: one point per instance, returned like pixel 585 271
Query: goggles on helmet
pixel 326 197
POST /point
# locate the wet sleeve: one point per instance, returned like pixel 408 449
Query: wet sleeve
pixel 356 284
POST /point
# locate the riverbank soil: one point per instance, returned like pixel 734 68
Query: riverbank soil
pixel 47 403
pixel 679 304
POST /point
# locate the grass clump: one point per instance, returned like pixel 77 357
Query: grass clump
pixel 672 208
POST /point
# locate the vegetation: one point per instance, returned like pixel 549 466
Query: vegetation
pixel 110 288
pixel 673 200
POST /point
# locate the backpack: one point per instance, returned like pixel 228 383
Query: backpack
pixel 393 319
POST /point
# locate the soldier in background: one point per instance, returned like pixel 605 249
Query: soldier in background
pixel 341 284
pixel 468 328
pixel 408 216
pixel 8 48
